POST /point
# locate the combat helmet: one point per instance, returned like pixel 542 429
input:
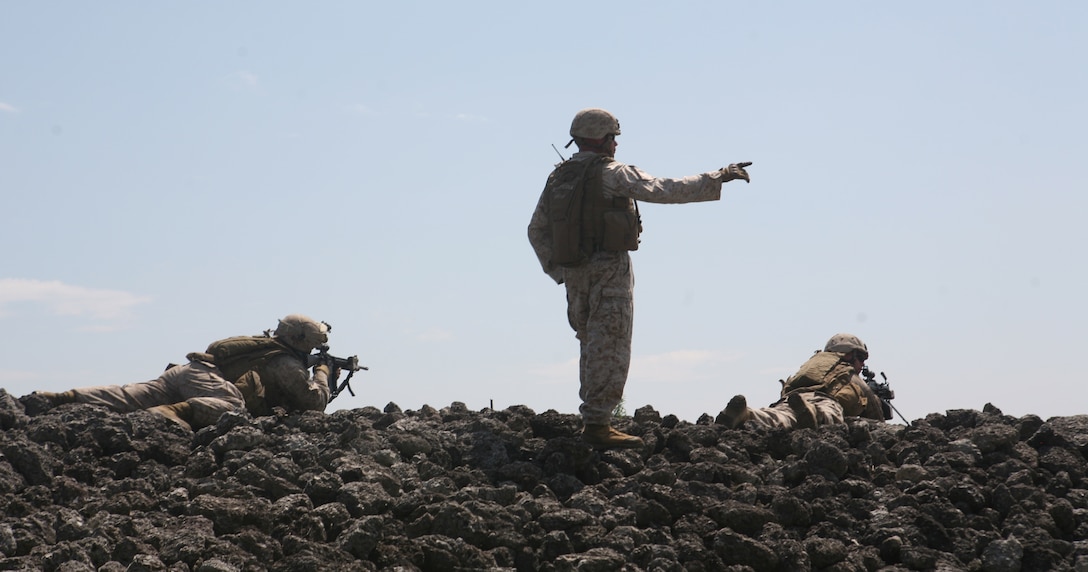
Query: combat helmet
pixel 302 332
pixel 843 343
pixel 594 123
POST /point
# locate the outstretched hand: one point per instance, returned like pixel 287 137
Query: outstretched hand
pixel 736 171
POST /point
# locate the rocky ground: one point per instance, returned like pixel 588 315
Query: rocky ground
pixel 82 488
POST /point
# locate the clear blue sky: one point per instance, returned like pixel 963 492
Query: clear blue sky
pixel 176 173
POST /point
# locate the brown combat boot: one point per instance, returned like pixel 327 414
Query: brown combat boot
pixel 736 412
pixel 42 401
pixel 180 412
pixel 605 437
pixel 805 413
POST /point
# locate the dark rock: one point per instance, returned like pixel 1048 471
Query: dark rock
pixel 82 488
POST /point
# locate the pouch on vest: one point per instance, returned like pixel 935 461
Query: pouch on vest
pixel 621 230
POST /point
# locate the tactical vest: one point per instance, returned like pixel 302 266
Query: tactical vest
pixel 828 373
pixel 242 361
pixel 582 220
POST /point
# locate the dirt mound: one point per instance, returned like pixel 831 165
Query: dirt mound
pixel 82 488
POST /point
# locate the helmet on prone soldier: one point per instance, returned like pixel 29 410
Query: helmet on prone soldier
pixel 845 343
pixel 594 123
pixel 302 332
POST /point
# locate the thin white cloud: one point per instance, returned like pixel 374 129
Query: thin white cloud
pixel 245 81
pixel 781 372
pixel 434 335
pixel 470 117
pixel 361 109
pixel 556 373
pixel 10 376
pixel 62 299
pixel 8 108
pixel 681 366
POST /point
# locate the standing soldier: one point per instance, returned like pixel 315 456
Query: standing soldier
pixel 583 227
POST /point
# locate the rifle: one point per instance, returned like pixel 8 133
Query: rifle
pixel 351 364
pixel 883 391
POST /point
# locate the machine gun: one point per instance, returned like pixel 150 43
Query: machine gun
pixel 336 364
pixel 883 391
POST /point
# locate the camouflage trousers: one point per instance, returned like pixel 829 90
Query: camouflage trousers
pixel 828 411
pixel 600 308
pixel 198 383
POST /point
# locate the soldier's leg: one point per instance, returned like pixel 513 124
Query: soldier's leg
pixel 207 394
pixel 777 415
pixel 601 311
pixel 813 409
pixel 827 410
pixel 125 398
pixel 800 410
pixel 737 413
pixel 607 348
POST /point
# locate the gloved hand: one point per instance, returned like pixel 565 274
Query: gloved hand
pixel 332 373
pixel 735 171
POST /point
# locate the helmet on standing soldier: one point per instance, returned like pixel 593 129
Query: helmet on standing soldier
pixel 594 123
pixel 302 332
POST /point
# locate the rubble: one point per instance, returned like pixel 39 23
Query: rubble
pixel 83 488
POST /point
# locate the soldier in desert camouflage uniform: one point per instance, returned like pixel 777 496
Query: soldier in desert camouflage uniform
pixel 254 372
pixel 600 306
pixel 824 391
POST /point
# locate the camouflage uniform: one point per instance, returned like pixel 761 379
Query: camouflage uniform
pixel 600 305
pixel 828 411
pixel 287 384
pixel 257 373
pixel 827 388
pixel 199 383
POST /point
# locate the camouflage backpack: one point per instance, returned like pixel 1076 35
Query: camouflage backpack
pixel 582 220
pixel 827 373
pixel 235 356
